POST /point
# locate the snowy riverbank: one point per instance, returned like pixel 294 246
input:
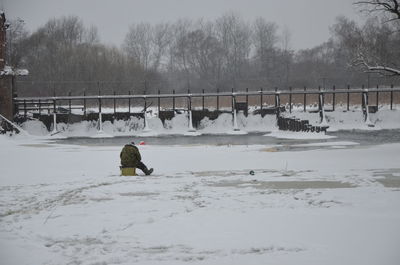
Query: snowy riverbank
pixel 337 120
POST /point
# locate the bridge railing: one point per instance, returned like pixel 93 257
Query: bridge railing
pixel 52 104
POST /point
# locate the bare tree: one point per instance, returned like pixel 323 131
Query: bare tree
pixel 161 40
pixel 179 50
pixel 287 54
pixel 201 55
pixel 265 39
pixel 205 55
pixel 391 7
pixel 138 43
pixel 234 35
pixel 16 42
pixel 370 53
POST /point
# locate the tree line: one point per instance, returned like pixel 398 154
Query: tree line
pixel 65 56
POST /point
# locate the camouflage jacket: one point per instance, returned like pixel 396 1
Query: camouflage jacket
pixel 130 156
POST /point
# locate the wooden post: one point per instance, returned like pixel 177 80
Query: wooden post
pixel 377 96
pixel 364 104
pixel 54 115
pixel 203 100
pixel 217 99
pixel 232 98
pixel 115 104
pixel 277 103
pixel 129 102
pixel 321 105
pixel 145 103
pixel 233 101
pixel 54 106
pixel 348 98
pixel 190 101
pixel 173 100
pixel 305 99
pixel 391 97
pixel 261 98
pixel 159 102
pixel 54 95
pixel 25 108
pixel 334 98
pixel 69 103
pixel 234 117
pixel 100 116
pixel 99 99
pixel 84 102
pixel 40 107
pixel 144 114
pixel 362 96
pixel 247 97
pixel 190 117
pixel 290 100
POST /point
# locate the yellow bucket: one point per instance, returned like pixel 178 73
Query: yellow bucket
pixel 128 171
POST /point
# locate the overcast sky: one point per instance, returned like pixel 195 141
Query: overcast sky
pixel 307 20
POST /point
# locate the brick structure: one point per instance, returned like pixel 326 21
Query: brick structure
pixel 3 28
pixel 6 96
pixel 7 75
pixel 6 80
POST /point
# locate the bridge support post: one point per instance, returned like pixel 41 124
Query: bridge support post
pixel 365 109
pixel 278 109
pixel 234 114
pixel 348 98
pixel 321 104
pixel 84 103
pixel 129 103
pixel 54 117
pixel 100 118
pixel 277 104
pixel 146 125
pixel 290 100
pixel 391 98
pixel 173 101
pixel 190 118
pixel 217 99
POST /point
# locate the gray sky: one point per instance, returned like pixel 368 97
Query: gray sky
pixel 307 20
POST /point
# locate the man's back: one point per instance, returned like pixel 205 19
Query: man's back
pixel 130 156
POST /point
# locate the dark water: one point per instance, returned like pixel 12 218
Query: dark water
pixel 368 137
pixel 359 136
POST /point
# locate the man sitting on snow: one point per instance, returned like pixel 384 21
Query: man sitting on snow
pixel 130 157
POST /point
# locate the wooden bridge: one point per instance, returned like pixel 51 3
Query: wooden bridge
pixel 45 103
pixel 59 108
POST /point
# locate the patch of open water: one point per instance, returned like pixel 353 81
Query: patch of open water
pixel 363 138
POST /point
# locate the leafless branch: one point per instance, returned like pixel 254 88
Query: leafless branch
pixel 389 6
pixel 384 70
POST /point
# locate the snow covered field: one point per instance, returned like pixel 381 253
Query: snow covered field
pixel 335 202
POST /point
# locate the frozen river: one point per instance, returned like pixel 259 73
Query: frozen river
pixel 330 201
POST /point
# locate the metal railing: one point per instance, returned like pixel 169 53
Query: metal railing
pixel 50 103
